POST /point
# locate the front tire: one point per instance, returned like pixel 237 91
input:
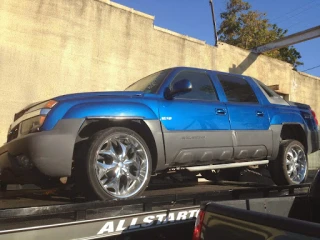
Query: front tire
pixel 117 165
pixel 291 165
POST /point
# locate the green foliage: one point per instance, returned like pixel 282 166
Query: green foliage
pixel 245 28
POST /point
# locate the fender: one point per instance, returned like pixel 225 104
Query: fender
pixel 290 117
pixel 111 110
pixel 277 122
pixel 123 110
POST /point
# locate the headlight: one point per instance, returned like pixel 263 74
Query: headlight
pixel 47 104
pixel 32 124
pixel 31 120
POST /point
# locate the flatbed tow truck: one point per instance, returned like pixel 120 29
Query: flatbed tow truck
pixel 165 210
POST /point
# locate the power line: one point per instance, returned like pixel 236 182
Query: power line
pixel 291 11
pixel 296 23
pixel 310 7
pixel 310 68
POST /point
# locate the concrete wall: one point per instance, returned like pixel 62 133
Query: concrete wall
pixel 50 48
pixel 305 88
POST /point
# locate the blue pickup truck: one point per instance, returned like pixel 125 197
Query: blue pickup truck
pixel 110 143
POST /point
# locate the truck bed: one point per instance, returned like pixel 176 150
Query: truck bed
pixel 291 217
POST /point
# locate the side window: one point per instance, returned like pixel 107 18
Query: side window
pixel 237 89
pixel 202 88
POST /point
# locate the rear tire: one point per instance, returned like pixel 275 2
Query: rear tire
pixel 291 165
pixel 230 174
pixel 117 165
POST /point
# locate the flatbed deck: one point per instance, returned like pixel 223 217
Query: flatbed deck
pixel 38 214
pixel 37 198
pixel 33 196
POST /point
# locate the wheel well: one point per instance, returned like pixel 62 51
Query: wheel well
pixel 296 132
pixel 90 127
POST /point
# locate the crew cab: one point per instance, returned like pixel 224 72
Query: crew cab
pixel 108 144
pixel 287 218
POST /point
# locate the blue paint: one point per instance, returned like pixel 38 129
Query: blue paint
pixel 191 115
pixel 181 114
pixel 101 104
pixel 119 109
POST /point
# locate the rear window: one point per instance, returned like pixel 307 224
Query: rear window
pixel 237 89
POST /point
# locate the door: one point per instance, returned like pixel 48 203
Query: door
pixel 195 124
pixel 249 119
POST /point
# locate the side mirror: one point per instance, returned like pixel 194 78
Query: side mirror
pixel 181 86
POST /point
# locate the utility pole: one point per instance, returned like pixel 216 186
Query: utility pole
pixel 214 23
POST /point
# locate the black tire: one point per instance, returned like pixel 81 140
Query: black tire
pixel 278 167
pixel 230 174
pixel 86 176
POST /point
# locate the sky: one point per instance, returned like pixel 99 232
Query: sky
pixel 193 18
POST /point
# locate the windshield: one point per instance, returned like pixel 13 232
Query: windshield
pixel 149 84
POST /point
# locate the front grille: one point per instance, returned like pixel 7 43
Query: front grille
pixel 13 133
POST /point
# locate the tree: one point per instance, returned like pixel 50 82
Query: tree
pixel 247 29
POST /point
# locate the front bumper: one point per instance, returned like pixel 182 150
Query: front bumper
pixel 50 152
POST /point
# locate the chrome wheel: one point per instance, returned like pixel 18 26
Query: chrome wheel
pixel 121 165
pixel 296 161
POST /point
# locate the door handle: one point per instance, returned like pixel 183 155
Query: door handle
pixel 220 111
pixel 260 114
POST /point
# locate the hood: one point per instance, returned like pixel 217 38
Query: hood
pixel 118 94
pixel 77 96
pixel 25 109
